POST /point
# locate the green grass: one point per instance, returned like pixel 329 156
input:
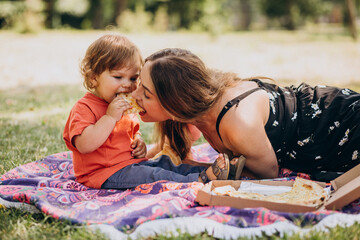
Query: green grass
pixel 31 123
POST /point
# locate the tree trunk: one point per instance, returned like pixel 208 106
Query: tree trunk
pixel 288 19
pixel 96 14
pixel 120 6
pixel 246 14
pixel 49 13
pixel 352 21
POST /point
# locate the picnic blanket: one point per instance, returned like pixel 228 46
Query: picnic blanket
pixel 162 207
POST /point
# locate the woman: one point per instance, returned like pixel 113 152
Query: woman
pixel 306 129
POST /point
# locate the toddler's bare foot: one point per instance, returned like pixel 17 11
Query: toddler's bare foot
pixel 220 163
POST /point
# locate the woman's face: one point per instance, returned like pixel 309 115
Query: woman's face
pixel 146 97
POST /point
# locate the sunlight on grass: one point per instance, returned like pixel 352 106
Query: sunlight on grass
pixel 34 116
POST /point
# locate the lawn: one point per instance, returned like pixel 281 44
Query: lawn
pixel 36 95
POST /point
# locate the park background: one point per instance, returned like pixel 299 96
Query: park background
pixel 43 42
pixel 288 40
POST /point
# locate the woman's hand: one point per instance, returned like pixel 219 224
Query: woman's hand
pixel 139 147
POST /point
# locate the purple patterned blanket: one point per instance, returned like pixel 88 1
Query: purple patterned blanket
pixel 163 207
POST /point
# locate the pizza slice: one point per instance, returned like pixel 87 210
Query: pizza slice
pixel 132 101
pixel 303 192
pixel 226 190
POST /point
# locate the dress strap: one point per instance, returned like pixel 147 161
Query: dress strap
pixel 229 104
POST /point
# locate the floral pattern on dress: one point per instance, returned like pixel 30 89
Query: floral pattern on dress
pixel 305 141
pixel 316 111
pixel 346 91
pixel 332 127
pixel 275 123
pixel 354 105
pixel 345 138
pixel 314 127
pixel 355 155
pixel 272 99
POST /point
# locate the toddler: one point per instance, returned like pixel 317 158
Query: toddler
pixel 108 151
pixel 104 140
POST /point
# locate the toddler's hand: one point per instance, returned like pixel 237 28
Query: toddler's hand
pixel 117 108
pixel 139 147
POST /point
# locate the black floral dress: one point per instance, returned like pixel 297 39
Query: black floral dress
pixel 314 130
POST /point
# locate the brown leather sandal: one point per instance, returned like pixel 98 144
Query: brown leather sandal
pixel 240 163
pixel 220 173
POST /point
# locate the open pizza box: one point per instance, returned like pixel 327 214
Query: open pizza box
pixel 346 189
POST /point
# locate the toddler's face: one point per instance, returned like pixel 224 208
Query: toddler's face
pixel 110 83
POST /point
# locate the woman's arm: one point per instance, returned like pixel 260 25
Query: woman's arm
pixel 246 173
pixel 256 147
pixel 243 132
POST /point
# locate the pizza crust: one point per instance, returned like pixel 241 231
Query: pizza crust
pixel 303 192
pixel 307 192
pixel 132 101
pixel 226 190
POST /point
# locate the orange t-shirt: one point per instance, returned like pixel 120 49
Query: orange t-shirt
pixel 93 169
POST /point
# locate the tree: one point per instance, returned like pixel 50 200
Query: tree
pixel 241 13
pixel 352 18
pixel 49 11
pixel 291 13
pixel 96 14
pixel 246 14
pixel 120 6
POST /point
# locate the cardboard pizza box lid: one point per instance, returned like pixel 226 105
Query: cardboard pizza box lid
pixel 346 189
pixel 346 177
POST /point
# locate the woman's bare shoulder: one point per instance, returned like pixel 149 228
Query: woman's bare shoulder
pixel 253 107
pixel 246 119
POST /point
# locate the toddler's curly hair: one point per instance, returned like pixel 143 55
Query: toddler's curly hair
pixel 109 52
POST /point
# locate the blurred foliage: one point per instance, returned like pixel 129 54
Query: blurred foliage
pixel 71 7
pixel 134 21
pixel 10 12
pixel 22 16
pixel 213 16
pixel 292 13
